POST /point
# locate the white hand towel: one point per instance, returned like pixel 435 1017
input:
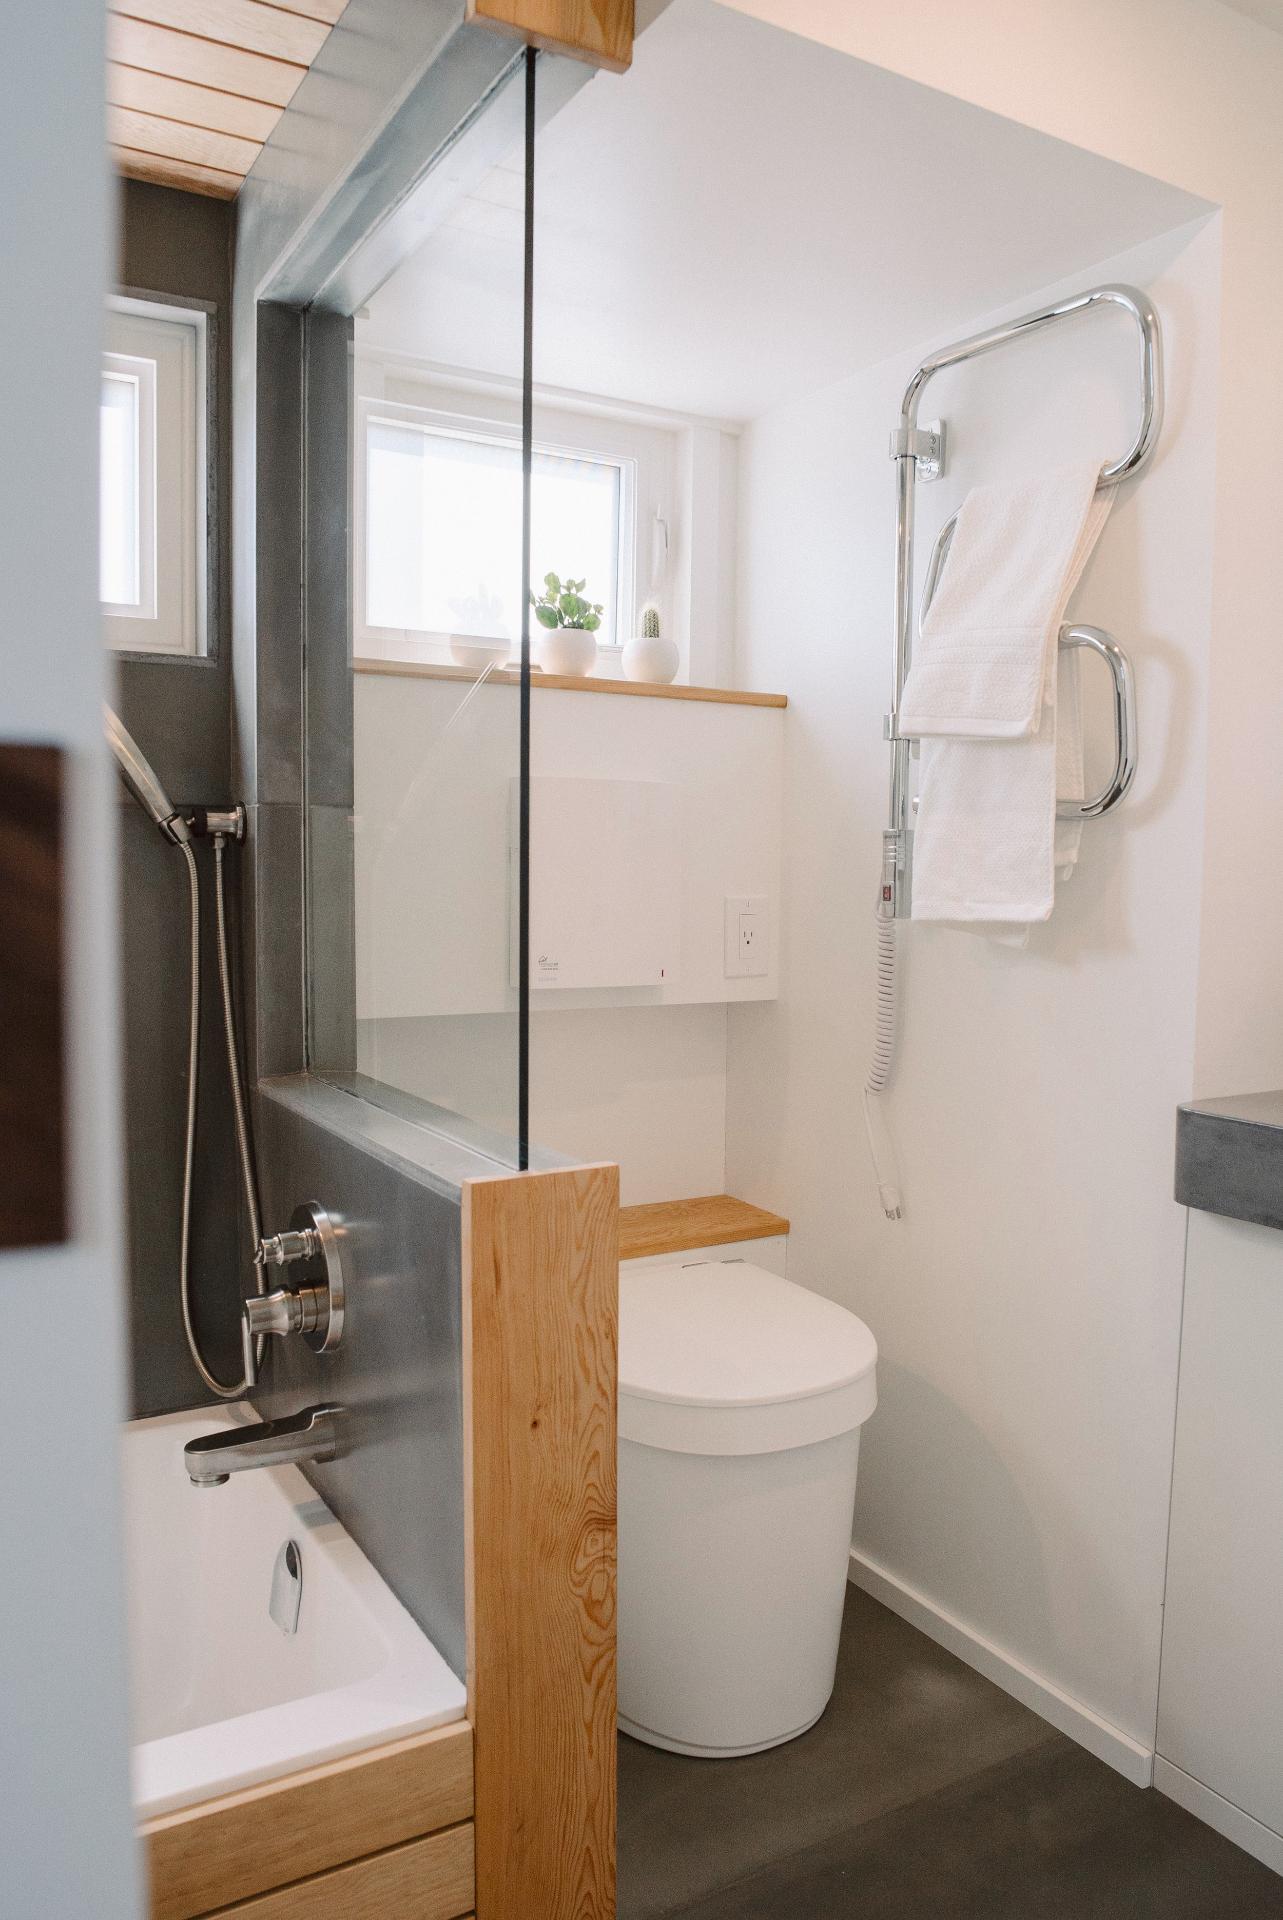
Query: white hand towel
pixel 987 843
pixel 981 666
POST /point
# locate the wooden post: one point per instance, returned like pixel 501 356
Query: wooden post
pixel 599 31
pixel 540 1333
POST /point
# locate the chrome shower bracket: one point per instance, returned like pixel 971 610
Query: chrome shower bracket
pixel 210 821
pixel 924 445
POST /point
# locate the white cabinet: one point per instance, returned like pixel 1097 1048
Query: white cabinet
pixel 1220 1708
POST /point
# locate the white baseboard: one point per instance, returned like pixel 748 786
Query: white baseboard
pixel 1260 1841
pixel 1069 1716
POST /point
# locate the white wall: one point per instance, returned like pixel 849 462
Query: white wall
pixel 65 1826
pixel 645 1086
pixel 1186 91
pixel 1028 1306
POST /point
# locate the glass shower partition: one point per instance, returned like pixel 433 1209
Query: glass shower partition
pixel 439 700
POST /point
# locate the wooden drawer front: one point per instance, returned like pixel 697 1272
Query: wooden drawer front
pixel 428 1879
pixel 204 1858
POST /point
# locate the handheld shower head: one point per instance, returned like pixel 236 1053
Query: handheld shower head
pixel 138 776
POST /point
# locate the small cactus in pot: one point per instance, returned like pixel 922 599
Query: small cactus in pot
pixel 648 655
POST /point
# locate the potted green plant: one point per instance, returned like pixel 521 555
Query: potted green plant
pixel 648 655
pixel 568 642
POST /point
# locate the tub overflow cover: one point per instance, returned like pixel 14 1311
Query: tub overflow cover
pixel 287 1587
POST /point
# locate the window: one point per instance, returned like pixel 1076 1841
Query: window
pixel 126 415
pixel 442 528
pixel 152 507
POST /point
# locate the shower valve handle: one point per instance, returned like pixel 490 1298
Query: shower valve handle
pixel 281 1249
pixel 317 1309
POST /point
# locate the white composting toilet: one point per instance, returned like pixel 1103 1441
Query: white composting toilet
pixel 741 1398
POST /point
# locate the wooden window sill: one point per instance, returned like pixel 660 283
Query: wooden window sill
pixel 567 683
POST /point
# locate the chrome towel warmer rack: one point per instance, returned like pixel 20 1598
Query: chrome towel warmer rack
pixel 919 455
pixel 1120 670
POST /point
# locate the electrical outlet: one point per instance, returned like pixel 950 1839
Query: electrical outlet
pixel 747 936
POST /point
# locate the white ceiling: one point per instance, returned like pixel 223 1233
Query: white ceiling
pixel 746 215
pixel 1268 12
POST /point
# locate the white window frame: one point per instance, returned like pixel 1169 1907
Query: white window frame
pixel 165 349
pixel 644 455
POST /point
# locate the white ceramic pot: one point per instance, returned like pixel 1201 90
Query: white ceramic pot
pixel 651 657
pixel 476 651
pixel 568 650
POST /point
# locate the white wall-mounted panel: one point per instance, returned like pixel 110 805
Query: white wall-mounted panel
pixel 434 765
pixel 605 882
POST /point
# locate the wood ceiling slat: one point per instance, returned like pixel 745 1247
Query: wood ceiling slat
pixel 172 140
pixel 327 10
pixel 176 173
pixel 247 24
pixel 136 43
pixel 196 106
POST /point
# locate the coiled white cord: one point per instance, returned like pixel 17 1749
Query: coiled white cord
pixel 886 1011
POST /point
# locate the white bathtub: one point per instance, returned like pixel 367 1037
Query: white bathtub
pixel 222 1697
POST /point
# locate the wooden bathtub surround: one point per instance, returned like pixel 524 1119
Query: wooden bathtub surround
pixel 429 1879
pixel 379 1833
pixel 675 1226
pixel 570 683
pixel 599 31
pixel 541 1280
pixel 391 1832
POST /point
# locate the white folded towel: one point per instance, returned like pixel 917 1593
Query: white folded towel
pixel 982 664
pixel 982 691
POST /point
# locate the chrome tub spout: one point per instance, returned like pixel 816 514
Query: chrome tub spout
pixel 313 1434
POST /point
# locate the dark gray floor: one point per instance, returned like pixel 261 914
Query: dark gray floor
pixel 924 1793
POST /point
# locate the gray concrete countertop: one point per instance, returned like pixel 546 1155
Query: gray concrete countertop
pixel 1229 1157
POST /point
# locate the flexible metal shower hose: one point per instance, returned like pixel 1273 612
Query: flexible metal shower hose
pixel 245 1153
pixel 233 1056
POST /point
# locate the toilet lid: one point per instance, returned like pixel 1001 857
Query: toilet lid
pixel 723 1357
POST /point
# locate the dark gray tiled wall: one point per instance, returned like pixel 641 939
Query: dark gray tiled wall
pixel 398 1490
pixel 179 245
pixel 155 976
pixel 327 691
pixel 273 949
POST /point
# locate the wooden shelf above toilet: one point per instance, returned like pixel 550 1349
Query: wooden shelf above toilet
pixel 675 1226
pixel 566 683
